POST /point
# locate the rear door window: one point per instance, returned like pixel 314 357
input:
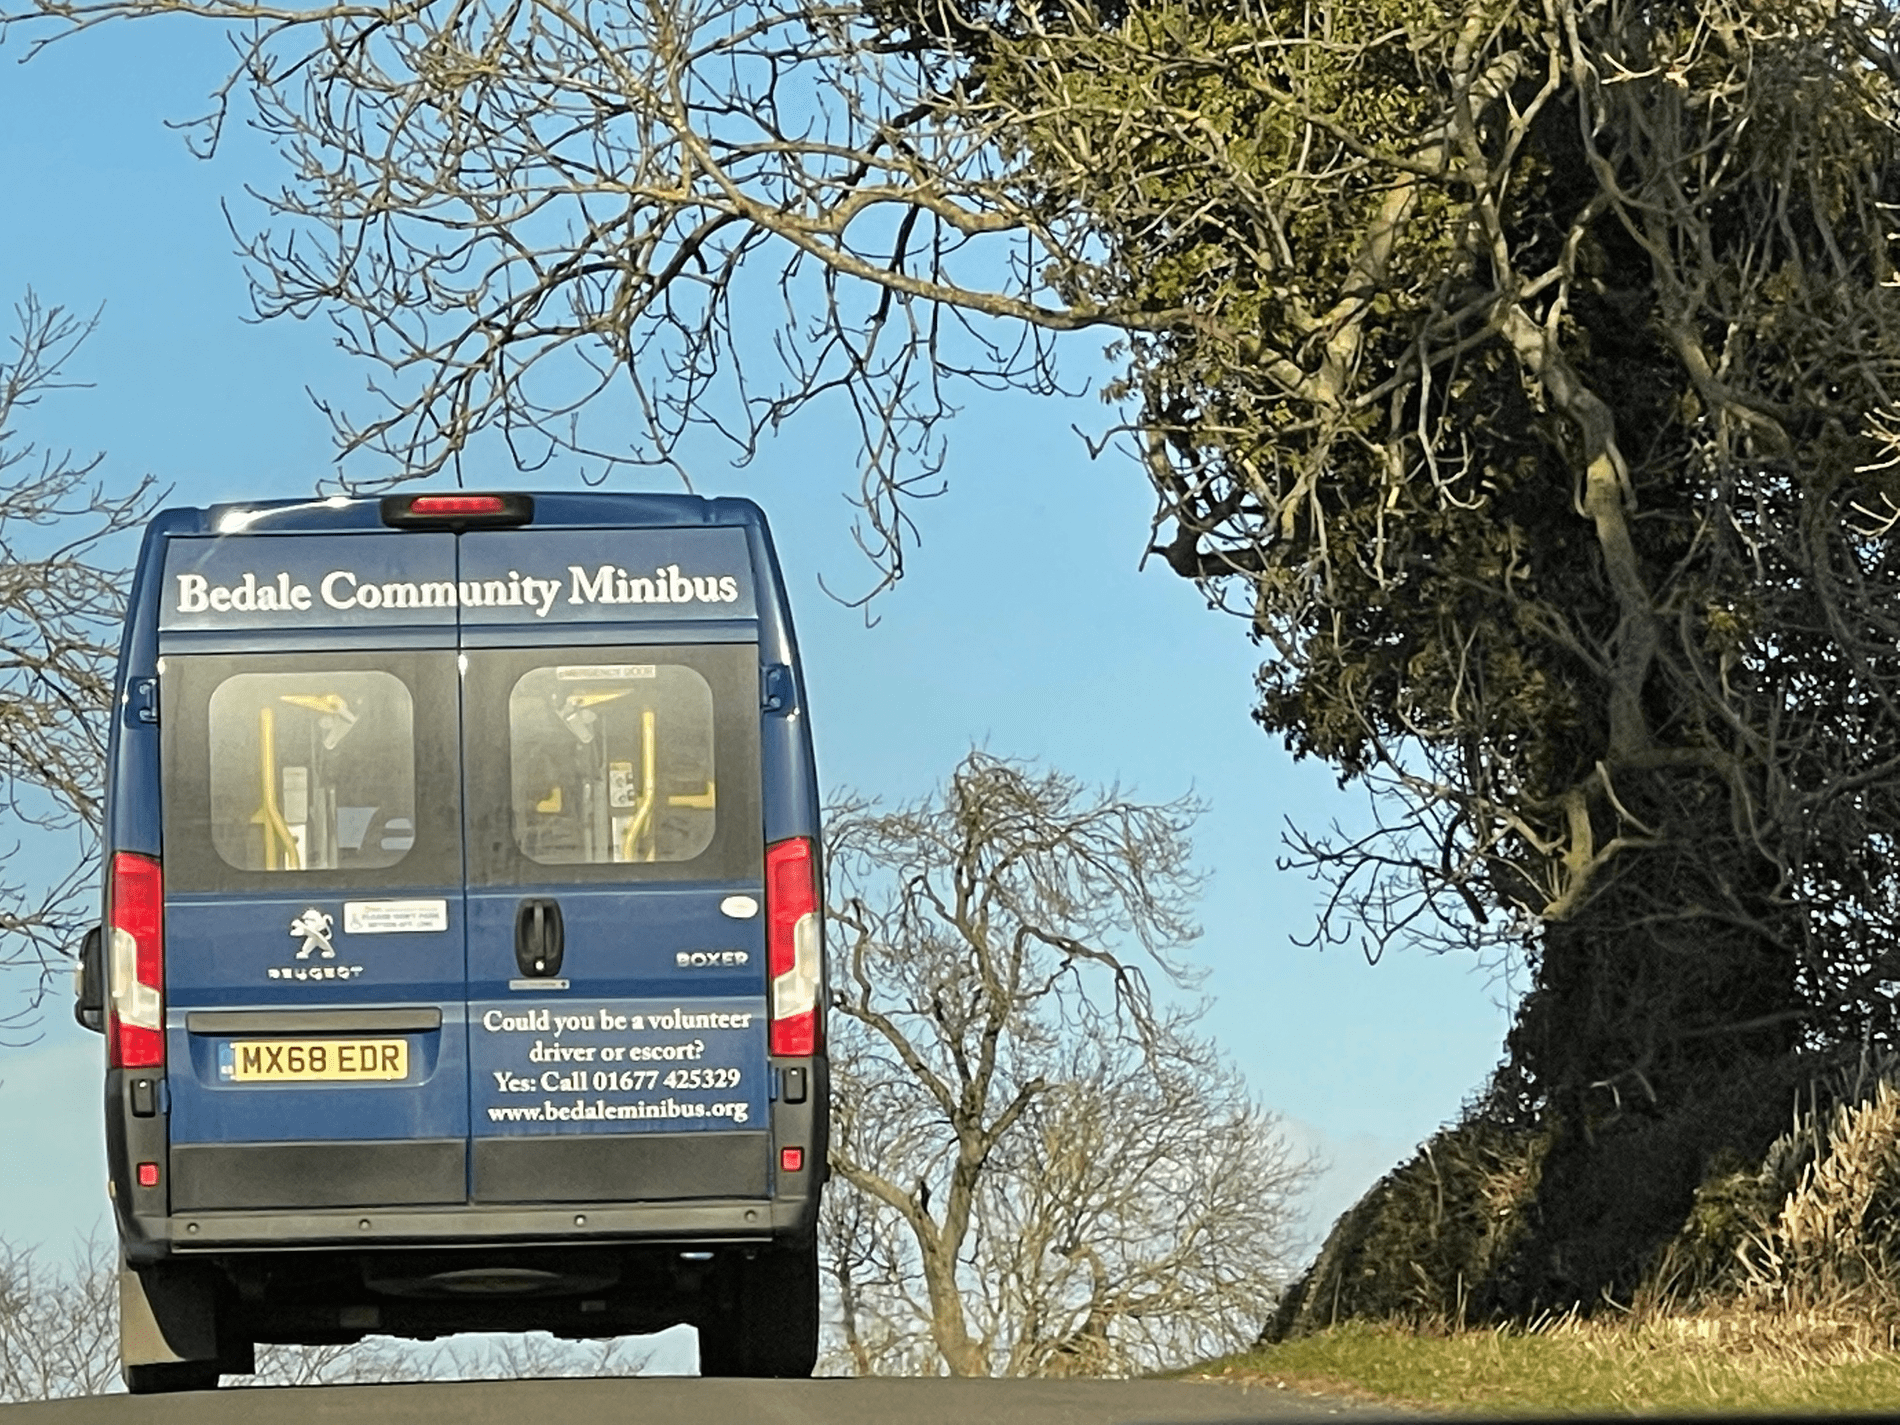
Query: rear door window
pixel 621 764
pixel 612 763
pixel 310 769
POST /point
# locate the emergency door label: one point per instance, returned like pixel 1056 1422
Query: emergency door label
pixel 623 1066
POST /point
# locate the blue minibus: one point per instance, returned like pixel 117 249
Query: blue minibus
pixel 461 960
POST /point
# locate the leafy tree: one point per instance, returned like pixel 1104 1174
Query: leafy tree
pixel 1535 413
pixel 1523 371
pixel 1037 1171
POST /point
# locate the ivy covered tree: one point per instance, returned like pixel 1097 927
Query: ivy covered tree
pixel 1536 411
pixel 1522 371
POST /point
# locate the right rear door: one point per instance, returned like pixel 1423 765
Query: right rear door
pixel 616 942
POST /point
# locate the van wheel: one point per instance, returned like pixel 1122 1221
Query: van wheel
pixel 174 1375
pixel 770 1324
pixel 169 1330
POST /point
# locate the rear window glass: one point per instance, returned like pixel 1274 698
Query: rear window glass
pixel 612 763
pixel 312 771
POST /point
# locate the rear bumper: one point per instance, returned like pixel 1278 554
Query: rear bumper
pixel 680 1212
pixel 684 1224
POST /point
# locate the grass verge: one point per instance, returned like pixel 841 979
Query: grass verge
pixel 1664 1365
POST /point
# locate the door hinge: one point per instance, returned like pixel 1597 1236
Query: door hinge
pixel 776 693
pixel 142 697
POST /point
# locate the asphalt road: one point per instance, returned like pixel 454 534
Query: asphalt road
pixel 676 1401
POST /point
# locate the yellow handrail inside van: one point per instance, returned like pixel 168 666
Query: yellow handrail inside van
pixel 267 815
pixel 638 823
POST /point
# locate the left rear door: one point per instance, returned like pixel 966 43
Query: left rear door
pixel 315 953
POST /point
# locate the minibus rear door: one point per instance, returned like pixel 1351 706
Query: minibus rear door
pixel 617 1011
pixel 315 961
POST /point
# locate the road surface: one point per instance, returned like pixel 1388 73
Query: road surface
pixel 688 1401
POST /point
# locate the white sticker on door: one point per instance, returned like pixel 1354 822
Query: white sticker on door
pixel 394 917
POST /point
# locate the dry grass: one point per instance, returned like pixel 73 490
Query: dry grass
pixel 1780 1294
pixel 1832 1245
pixel 1741 1361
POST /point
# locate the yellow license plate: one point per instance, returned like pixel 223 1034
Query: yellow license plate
pixel 312 1060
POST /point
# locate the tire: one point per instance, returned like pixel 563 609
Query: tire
pixel 770 1326
pixel 174 1376
pixel 170 1336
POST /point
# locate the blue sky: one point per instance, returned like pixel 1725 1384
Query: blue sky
pixel 1023 625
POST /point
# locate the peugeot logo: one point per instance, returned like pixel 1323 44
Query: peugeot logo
pixel 313 926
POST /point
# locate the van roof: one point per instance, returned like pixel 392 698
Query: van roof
pixel 553 509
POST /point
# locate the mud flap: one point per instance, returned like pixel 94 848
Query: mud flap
pixel 166 1317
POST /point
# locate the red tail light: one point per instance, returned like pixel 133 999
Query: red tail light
pixel 792 949
pixel 135 957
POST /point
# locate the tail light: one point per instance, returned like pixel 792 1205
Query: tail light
pixel 792 949
pixel 135 921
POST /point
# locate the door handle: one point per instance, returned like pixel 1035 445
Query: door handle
pixel 540 940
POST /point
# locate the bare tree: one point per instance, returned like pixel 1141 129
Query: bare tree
pixel 59 1337
pixel 1146 1218
pixel 61 597
pixel 59 1325
pixel 371 1362
pixel 1363 258
pixel 539 1356
pixel 716 210
pixel 381 1360
pixel 1043 1171
pixel 1383 282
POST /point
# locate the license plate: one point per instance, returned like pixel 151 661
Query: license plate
pixel 276 1061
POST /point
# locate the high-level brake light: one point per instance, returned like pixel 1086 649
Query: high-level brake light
pixel 456 511
pixel 792 948
pixel 456 505
pixel 135 957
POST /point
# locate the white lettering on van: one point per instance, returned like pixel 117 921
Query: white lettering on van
pixel 611 585
pixel 343 590
pixel 601 591
pixel 328 589
pixel 197 594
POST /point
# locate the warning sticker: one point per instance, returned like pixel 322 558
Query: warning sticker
pixel 394 917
